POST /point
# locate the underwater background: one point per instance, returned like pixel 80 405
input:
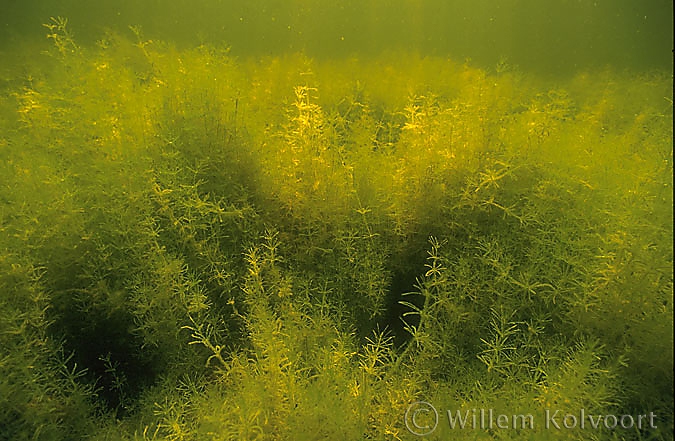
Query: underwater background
pixel 344 220
pixel 542 36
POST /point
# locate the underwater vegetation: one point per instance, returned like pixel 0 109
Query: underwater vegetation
pixel 195 246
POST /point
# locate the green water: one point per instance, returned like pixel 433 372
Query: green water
pixel 315 220
pixel 547 36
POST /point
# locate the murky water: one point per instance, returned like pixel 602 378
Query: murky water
pixel 546 36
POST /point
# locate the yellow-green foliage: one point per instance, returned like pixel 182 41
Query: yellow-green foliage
pixel 201 247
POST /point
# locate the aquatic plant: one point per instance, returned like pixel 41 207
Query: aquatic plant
pixel 201 247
